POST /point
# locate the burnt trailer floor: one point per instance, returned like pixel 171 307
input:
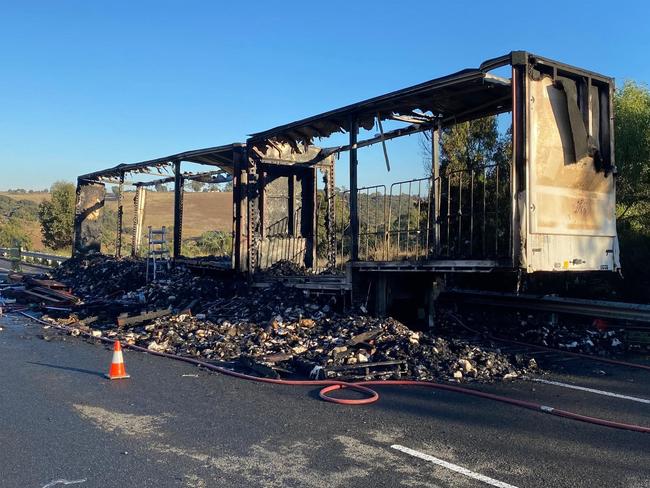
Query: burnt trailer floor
pixel 174 425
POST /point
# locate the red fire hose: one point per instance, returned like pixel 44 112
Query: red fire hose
pixel 363 386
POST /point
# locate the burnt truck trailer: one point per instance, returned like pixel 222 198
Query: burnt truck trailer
pixel 273 204
pixel 548 207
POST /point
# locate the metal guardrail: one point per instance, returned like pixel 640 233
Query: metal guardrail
pixel 34 258
pixel 634 312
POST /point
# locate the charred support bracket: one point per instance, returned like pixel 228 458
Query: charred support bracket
pixel 330 215
pixel 178 208
pixel 262 181
pixel 309 218
pixel 437 287
pixel 253 216
pixel 120 216
pixel 291 222
pixel 436 187
pixel 519 161
pixel 138 219
pixel 381 295
pixel 240 212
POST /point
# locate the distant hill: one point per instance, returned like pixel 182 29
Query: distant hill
pixel 203 211
pixel 23 209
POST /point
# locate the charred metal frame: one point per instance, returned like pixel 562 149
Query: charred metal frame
pixel 265 241
pixel 250 172
pixel 287 152
pixel 463 96
pixel 91 194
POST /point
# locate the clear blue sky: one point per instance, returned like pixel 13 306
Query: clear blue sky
pixel 89 84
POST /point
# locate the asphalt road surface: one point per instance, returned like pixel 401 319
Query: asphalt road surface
pixel 173 425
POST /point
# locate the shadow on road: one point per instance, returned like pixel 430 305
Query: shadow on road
pixel 68 368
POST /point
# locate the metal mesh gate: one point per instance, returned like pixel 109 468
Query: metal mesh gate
pixel 463 214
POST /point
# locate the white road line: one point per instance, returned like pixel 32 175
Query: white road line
pixel 452 467
pixel 64 482
pixel 591 390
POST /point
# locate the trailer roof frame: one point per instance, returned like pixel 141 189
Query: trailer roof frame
pixel 219 156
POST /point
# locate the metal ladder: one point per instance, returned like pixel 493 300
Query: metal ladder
pixel 157 253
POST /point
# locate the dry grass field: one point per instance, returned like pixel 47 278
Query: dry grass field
pixel 37 197
pixel 201 212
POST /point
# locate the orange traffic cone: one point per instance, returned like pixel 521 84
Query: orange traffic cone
pixel 117 370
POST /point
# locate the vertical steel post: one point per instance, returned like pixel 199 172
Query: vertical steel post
pixel 178 208
pixel 77 246
pixel 262 181
pixel 308 218
pixel 354 209
pixel 518 186
pixel 120 216
pixel 330 216
pixel 435 163
pixel 138 219
pixel 253 218
pixel 291 196
pixel 240 211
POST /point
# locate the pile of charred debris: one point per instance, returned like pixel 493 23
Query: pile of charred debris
pixel 272 331
pixel 598 337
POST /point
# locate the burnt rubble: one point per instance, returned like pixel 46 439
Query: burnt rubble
pixel 594 339
pixel 269 330
pixel 100 276
pixel 329 346
pixel 597 337
pixel 286 268
pixel 99 279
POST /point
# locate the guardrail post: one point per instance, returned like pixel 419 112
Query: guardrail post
pixel 16 264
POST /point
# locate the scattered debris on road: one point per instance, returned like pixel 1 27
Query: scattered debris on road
pixel 273 331
pixel 279 331
pixel 545 330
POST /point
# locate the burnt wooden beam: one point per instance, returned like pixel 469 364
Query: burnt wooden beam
pixel 178 208
pixel 124 319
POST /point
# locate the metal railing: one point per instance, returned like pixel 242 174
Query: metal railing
pixel 29 257
pixel 474 219
pixel 463 214
pixel 371 202
pixel 409 221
